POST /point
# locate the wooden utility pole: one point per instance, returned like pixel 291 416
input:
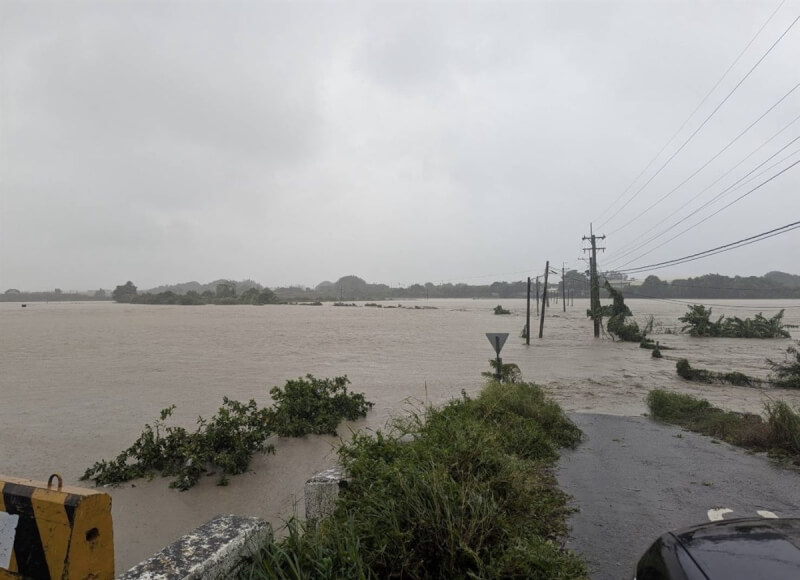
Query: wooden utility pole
pixel 544 301
pixel 537 295
pixel 528 315
pixel 594 283
pixel 563 287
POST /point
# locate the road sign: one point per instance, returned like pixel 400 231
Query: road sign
pixel 497 340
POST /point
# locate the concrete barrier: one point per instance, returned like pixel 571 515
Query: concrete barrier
pixel 49 530
pixel 321 492
pixel 213 551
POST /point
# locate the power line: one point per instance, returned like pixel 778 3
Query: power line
pixel 792 307
pixel 719 249
pixel 709 186
pixel 707 119
pixel 733 187
pixel 763 183
pixel 707 163
pixel 697 108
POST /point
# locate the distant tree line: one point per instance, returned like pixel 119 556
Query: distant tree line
pixel 771 285
pixel 57 295
pixel 225 292
pixel 349 288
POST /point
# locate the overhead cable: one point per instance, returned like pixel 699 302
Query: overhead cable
pixel 705 219
pixel 707 163
pixel 697 108
pixel 709 186
pixel 718 249
pixel 703 124
pixel 732 187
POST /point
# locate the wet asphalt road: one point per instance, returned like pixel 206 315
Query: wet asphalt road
pixel 633 479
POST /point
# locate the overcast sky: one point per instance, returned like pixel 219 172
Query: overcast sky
pixel 403 142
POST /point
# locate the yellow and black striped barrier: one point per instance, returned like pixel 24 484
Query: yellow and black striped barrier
pixel 54 532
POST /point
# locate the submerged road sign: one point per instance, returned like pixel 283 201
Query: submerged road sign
pixel 497 339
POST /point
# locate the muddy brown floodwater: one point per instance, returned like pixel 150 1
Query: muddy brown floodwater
pixel 79 380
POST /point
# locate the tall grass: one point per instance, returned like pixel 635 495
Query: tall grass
pixel 462 491
pixel 778 434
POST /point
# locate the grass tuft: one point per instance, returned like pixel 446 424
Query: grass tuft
pixel 779 434
pixel 453 492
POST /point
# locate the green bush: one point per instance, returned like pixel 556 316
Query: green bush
pixel 617 325
pixel 698 322
pixel 509 372
pixel 786 374
pixel 780 433
pixel 500 310
pixel 686 371
pixel 312 405
pixel 225 443
pixel 457 492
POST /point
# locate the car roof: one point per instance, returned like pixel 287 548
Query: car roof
pixel 745 548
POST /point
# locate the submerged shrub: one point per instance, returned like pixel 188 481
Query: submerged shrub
pixel 686 371
pixel 225 443
pixel 786 374
pixel 617 326
pixel 698 323
pixel 312 405
pixel 509 372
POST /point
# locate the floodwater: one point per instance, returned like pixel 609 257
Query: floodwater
pixel 79 380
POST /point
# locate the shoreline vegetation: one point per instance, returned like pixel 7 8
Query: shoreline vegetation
pixel 778 435
pixel 773 285
pixel 463 490
pixel 225 444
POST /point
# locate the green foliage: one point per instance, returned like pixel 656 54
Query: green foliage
pixel 779 434
pixel 509 372
pixel 786 374
pixel 698 322
pixel 500 310
pixel 785 426
pixel 312 405
pixel 463 491
pixel 306 552
pixel 124 293
pixel 224 443
pixel 227 442
pixel 225 295
pixel 686 371
pixel 657 351
pixel 616 325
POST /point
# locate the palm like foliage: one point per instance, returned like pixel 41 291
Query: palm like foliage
pixel 698 322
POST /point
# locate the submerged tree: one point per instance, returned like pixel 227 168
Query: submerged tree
pixel 617 313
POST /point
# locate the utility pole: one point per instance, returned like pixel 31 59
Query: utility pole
pixel 537 295
pixel 594 283
pixel 544 301
pixel 528 315
pixel 563 286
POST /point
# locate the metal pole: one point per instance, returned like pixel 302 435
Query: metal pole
pixel 528 315
pixel 499 360
pixel 544 302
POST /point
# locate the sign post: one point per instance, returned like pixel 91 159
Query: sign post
pixel 497 340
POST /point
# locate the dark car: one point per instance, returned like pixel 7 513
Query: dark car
pixel 742 549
